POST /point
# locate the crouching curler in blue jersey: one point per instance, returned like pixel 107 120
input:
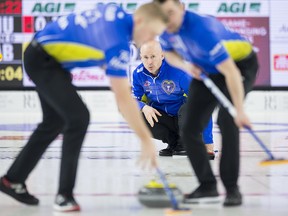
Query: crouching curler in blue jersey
pixel 161 93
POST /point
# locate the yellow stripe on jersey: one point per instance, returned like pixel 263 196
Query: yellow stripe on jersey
pixel 237 49
pixel 144 98
pixel 69 52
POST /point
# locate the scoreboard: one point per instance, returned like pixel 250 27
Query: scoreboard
pixel 11 73
pixel 264 22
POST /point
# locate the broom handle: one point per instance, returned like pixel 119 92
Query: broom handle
pixel 260 142
pixel 168 189
pixel 231 109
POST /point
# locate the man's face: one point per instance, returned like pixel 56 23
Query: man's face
pixel 175 12
pixel 152 56
pixel 145 31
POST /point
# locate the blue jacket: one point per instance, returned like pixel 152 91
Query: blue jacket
pixel 206 42
pixel 164 91
pixel 91 38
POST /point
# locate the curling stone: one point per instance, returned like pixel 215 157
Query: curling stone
pixel 153 195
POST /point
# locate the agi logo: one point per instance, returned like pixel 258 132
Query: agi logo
pixel 280 62
pixel 52 7
pixel 239 7
pixel 193 6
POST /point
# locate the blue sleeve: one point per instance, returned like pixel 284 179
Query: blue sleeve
pixel 185 81
pixel 207 134
pixel 163 39
pixel 212 46
pixel 137 90
pixel 117 59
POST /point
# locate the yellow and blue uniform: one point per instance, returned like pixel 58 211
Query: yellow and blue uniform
pixel 206 42
pixel 91 38
pixel 167 91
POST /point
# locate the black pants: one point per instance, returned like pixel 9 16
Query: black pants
pixel 167 128
pixel 201 104
pixel 63 112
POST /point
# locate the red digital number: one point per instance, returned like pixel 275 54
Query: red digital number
pixel 28 24
pixel 11 7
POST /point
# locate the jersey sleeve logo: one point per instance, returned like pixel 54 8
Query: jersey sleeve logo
pixel 139 70
pixel 216 49
pixel 121 61
pixel 110 13
pixel 168 86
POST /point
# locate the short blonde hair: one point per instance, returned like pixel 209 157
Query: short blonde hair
pixel 152 11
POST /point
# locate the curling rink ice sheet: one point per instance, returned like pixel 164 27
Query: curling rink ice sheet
pixel 108 178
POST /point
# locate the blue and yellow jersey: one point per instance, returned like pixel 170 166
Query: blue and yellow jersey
pixel 206 42
pixel 91 38
pixel 165 92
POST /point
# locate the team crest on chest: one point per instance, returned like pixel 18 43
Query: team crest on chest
pixel 147 86
pixel 147 83
pixel 168 86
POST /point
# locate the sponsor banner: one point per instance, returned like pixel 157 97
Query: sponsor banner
pixel 103 102
pixel 100 102
pixel 230 8
pixel 48 8
pixel 93 76
pixel 213 7
pixel 279 64
pixel 279 21
pixel 82 77
pixel 19 20
pixel 17 102
pixel 256 29
pixel 64 7
pixel 11 101
pixel 267 101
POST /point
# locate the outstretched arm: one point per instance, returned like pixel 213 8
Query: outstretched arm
pixel 175 60
pixel 235 87
pixel 128 108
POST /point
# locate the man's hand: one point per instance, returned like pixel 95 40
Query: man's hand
pixel 195 72
pixel 150 113
pixel 242 120
pixel 129 109
pixel 147 157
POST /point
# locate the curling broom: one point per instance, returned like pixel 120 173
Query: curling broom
pixel 271 160
pixel 176 210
